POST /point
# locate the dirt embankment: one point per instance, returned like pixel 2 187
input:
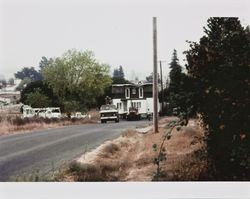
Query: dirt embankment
pixel 131 157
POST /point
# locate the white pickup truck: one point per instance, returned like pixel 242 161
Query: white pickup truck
pixel 109 113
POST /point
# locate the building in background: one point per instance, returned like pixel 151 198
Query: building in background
pixel 9 95
pixel 137 95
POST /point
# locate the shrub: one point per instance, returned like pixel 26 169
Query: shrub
pixel 20 121
pixel 111 148
pixel 219 67
pixel 91 172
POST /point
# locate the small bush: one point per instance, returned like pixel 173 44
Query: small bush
pixel 111 148
pixel 8 119
pixel 46 120
pixel 19 121
pixel 74 120
pixel 74 166
pixel 128 133
pixel 34 176
pixel 89 172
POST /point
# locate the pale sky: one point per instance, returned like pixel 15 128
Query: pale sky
pixel 119 32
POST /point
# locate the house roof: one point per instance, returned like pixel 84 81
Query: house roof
pixel 122 84
pixel 138 84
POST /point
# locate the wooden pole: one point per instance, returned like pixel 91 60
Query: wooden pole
pixel 155 77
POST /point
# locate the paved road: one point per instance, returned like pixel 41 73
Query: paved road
pixel 50 149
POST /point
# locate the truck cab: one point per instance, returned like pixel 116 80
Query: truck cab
pixel 109 113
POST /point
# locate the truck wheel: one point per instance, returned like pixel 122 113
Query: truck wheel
pixel 117 120
pixel 103 121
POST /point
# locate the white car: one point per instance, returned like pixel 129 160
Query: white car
pixel 50 112
pixel 78 115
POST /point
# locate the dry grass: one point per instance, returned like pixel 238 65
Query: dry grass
pixel 13 123
pixel 131 157
pixel 109 162
pixel 186 155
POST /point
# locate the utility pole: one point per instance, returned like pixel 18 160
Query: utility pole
pixel 155 77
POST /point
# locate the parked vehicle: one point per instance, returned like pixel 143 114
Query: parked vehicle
pixel 133 114
pixel 53 112
pixel 109 113
pixel 28 111
pixel 78 115
pixel 49 112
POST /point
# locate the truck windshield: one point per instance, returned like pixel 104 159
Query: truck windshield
pixel 55 111
pixel 108 107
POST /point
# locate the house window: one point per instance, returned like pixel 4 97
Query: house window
pixel 133 91
pixel 127 93
pixel 140 92
pixel 136 104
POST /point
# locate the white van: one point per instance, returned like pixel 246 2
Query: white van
pixel 50 112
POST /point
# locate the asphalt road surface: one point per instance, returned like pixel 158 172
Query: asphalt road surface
pixel 47 150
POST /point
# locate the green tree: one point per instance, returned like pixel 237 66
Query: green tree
pixel 119 77
pixel 3 83
pixel 175 92
pixel 115 73
pixel 118 73
pixel 23 84
pixel 175 73
pixel 30 73
pixel 219 66
pixel 45 62
pixel 11 81
pixel 150 78
pixel 44 89
pixel 37 99
pixel 73 106
pixel 77 76
pixel 121 73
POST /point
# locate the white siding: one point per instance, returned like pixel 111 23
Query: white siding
pixel 150 105
pixel 119 108
pixel 141 105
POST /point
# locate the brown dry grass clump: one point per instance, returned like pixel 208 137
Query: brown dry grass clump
pixel 186 155
pixel 109 162
pixel 131 157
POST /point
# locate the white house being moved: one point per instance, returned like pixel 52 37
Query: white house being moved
pixel 138 95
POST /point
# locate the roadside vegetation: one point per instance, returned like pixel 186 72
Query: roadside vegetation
pixel 131 157
pixel 13 123
pixel 217 88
